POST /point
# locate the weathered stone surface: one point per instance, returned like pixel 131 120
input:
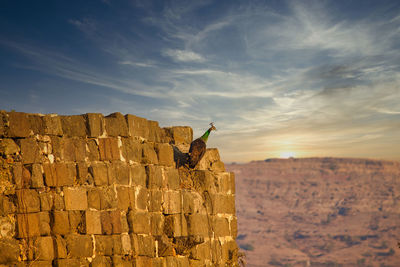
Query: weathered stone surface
pixel 149 155
pixel 21 176
pixel 94 198
pixel 201 251
pixel 36 124
pixel 173 179
pixel 44 223
pixel 37 176
pixel 137 126
pixel 131 149
pixel 74 149
pixel 79 246
pixel 101 261
pixel 234 227
pixel 108 148
pixel 100 173
pixel 204 180
pixel 116 125
pixel 178 261
pixel 176 225
pixel 93 153
pixel 75 198
pixel 139 222
pixel 108 198
pixel 155 200
pixel 27 200
pixel 122 261
pixel 19 125
pixel 3 122
pixel 157 223
pixel 82 173
pixel 7 226
pixel 95 124
pixel 198 225
pixel 6 205
pixel 59 174
pixel 192 202
pixel 46 201
pixel 60 247
pixel 220 226
pixel 44 248
pixel 144 245
pixel 72 262
pixel 52 125
pixel 180 134
pixel 165 246
pixel 220 203
pixel 9 251
pixel 121 171
pixel 60 222
pixel 141 198
pixel 126 197
pixel 104 245
pixel 77 221
pixel 93 222
pixel 126 244
pixel 8 146
pixel 155 177
pixel 74 125
pixel 30 151
pixel 111 222
pixel 156 134
pixel 139 175
pixel 28 225
pixel 172 203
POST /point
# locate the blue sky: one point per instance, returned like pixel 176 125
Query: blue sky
pixel 302 78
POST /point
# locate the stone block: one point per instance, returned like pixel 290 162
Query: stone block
pixel 8 147
pixel 154 177
pixel 79 246
pixel 126 197
pixel 218 166
pixel 165 246
pixel 233 227
pixel 141 198
pixel 82 173
pixel 220 226
pixel 44 248
pixel 126 244
pixel 77 221
pixel 106 227
pixel 100 173
pixel 111 222
pixel 101 261
pixel 192 202
pixel 149 155
pixel 121 261
pixel 72 262
pixel 6 205
pixel 172 203
pixel 36 124
pixel 59 174
pixel 229 252
pixel 95 124
pixel 138 126
pixel 116 125
pixel 93 222
pixel 75 198
pixel 37 176
pixel 216 251
pixel 115 216
pixel 30 151
pixel 204 180
pixel 156 200
pixel 21 176
pixel 156 134
pixel 104 245
pixel 93 153
pixel 60 247
pixel 108 198
pixel 74 125
pixel 173 178
pixel 3 122
pixel 198 225
pixel 177 261
pixel 139 222
pixel 157 223
pixel 52 125
pixel 9 251
pixel 19 125
pixel 94 198
pixel 165 154
pixel 176 225
pixel 44 223
pixel 28 225
pixel 60 222
pixel 144 245
pixel 74 149
pixel 58 203
pixel 210 157
pixel 46 201
pixel 138 175
pixel 121 171
pixel 142 261
pixel 27 200
pixel 201 251
pixel 109 149
pixel 7 227
pixel 180 134
pixel 131 150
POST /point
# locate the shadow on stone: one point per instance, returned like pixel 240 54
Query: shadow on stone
pixel 180 158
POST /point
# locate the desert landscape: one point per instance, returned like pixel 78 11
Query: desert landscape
pixel 318 212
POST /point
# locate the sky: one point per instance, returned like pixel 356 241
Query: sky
pixel 278 78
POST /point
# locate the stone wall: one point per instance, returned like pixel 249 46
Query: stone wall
pixel 89 190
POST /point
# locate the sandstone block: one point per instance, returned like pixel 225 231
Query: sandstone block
pixel 8 147
pixel 21 176
pixel 172 202
pixel 198 225
pixel 220 226
pixel 131 149
pixel 58 203
pixel 121 171
pixel 116 125
pixel 77 221
pixel 94 198
pixel 157 224
pixel 141 198
pixel 126 197
pixel 178 261
pixel 9 251
pixel 139 175
pixel 180 134
pixel 144 245
pixel 36 124
pixel 60 222
pixel 176 225
pixel 165 246
pixel 104 245
pixel 156 134
pixel 229 251
pixel 233 227
pixel 93 153
pixel 52 125
pixel 101 261
pixel 44 223
pixel 226 182
pixel 30 151
pixel 204 180
pixel 82 173
pixel 100 173
pixel 149 155
pixel 218 166
pixel 7 229
pixel 126 244
pixel 93 222
pixel 74 149
pixel 137 126
pixel 19 125
pixel 111 222
pixel 95 124
pixel 3 122
pixel 173 178
pixel 139 222
pixel 165 154
pixel 142 261
pixel 155 177
pixel 216 251
pixel 59 174
pixel 44 248
pixel 115 216
pixel 6 205
pixel 27 200
pixel 210 157
pixel 75 198
pixel 46 201
pixel 37 176
pixel 28 225
pixel 74 125
pixel 79 246
pixel 122 261
pixel 221 203
pixel 60 247
pixel 108 148
pixel 201 251
pixel 108 198
pixel 72 262
pixel 156 200
pixel 192 202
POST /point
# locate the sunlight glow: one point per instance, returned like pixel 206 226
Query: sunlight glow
pixel 287 154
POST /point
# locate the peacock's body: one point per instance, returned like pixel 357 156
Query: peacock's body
pixel 198 147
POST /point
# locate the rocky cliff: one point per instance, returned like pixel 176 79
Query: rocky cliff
pixel 89 190
pixel 319 212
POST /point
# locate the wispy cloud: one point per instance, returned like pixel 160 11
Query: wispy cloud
pixel 183 55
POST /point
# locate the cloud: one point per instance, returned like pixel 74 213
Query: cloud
pixel 183 55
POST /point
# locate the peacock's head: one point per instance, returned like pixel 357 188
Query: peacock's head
pixel 212 127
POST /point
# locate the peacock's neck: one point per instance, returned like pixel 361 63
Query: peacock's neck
pixel 204 137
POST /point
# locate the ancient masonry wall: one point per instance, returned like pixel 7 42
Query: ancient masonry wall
pixel 89 190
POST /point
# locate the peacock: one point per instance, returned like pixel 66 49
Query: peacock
pixel 198 147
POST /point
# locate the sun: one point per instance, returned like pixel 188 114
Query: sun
pixel 287 154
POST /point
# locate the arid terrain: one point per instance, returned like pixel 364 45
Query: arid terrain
pixel 319 212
